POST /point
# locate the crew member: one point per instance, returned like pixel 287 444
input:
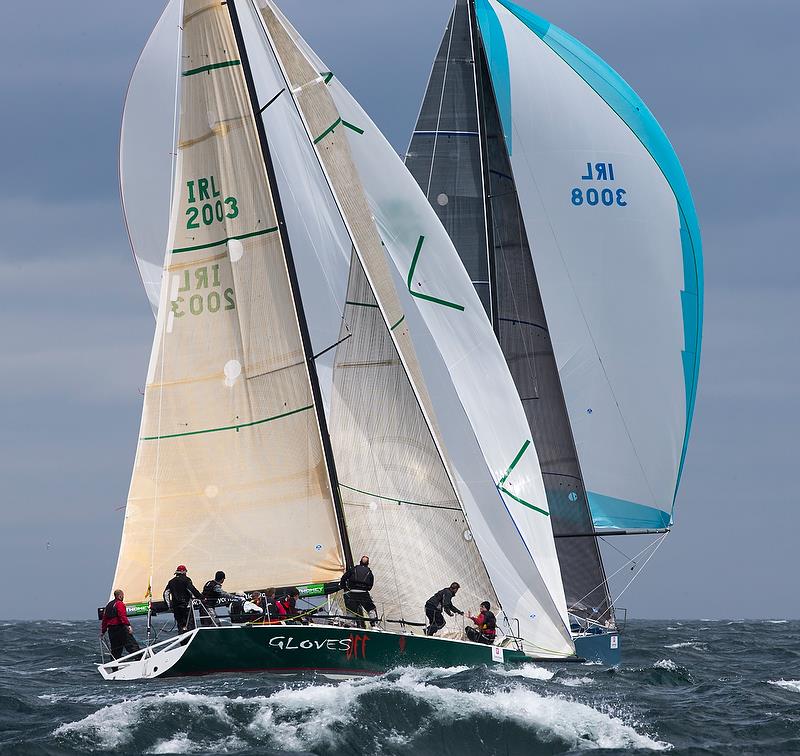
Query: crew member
pixel 357 583
pixel 214 594
pixel 178 595
pixel 273 609
pixel 442 600
pixel 289 604
pixel 485 625
pixel 120 632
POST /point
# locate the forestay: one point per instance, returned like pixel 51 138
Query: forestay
pixel 616 246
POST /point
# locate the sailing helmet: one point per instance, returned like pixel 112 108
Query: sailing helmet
pixel 180 568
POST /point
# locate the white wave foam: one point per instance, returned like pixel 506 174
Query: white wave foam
pixel 666 664
pixel 316 717
pixel 528 671
pixel 112 726
pixel 574 682
pixel 182 743
pixel 793 685
pixel 775 622
pixel 696 645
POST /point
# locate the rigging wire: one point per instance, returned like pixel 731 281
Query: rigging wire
pixel 652 554
pixel 616 572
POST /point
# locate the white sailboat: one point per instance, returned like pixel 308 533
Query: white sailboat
pixel 319 386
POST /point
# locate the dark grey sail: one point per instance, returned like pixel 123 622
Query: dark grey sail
pixel 459 158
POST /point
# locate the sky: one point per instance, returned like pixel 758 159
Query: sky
pixel 76 327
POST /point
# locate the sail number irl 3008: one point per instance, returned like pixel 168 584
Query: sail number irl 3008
pixel 213 210
pixel 605 196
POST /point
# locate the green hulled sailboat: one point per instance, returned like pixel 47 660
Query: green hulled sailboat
pixel 323 380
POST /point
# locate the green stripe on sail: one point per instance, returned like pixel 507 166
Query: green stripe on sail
pixel 327 74
pixel 402 318
pixel 399 501
pixel 503 489
pixel 229 427
pixel 419 295
pixel 338 121
pixel 514 463
pixel 225 241
pixel 212 66
pixel 523 502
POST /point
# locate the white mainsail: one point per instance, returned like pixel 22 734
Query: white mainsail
pixel 405 491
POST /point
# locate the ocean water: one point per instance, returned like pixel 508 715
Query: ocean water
pixel 687 687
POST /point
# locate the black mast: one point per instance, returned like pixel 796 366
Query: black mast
pixel 293 285
pixel 480 72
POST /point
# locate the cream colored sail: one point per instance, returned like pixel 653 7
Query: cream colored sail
pixel 230 472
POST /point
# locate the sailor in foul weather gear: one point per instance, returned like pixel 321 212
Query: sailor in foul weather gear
pixel 214 594
pixel 179 594
pixel 357 583
pixel 289 606
pixel 442 600
pixel 486 625
pixel 116 622
pixel 273 609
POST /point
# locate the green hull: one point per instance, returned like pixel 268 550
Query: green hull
pixel 286 649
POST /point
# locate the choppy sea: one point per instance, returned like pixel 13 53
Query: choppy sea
pixel 688 687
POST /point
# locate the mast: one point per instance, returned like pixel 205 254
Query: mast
pixel 487 200
pixel 301 318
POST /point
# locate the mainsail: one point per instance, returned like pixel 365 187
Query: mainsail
pixel 420 511
pixel 230 445
pixel 572 215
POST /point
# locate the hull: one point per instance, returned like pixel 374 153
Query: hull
pixel 603 648
pixel 291 649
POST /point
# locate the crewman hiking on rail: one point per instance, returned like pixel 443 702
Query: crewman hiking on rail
pixel 486 625
pixel 120 632
pixel 178 594
pixel 357 582
pixel 441 600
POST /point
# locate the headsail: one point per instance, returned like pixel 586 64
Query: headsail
pixel 512 530
pixel 616 245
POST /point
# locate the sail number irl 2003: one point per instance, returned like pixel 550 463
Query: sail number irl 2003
pixel 204 292
pixel 604 195
pixel 214 209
